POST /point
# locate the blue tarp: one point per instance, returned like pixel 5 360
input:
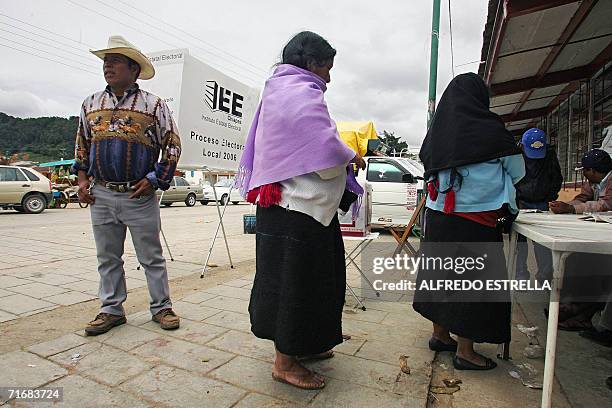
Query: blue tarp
pixel 57 163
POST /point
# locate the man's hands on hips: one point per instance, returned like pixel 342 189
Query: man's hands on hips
pixel 83 191
pixel 142 188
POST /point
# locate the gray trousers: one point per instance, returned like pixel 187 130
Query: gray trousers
pixel 111 215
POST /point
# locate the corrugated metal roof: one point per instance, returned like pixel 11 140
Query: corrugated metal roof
pixel 537 51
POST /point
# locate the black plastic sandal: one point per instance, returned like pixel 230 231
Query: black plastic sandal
pixel 438 345
pixel 463 364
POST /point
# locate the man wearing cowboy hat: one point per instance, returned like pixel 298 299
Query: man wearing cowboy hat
pixel 127 146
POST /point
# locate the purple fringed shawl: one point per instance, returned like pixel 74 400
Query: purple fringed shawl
pixel 292 133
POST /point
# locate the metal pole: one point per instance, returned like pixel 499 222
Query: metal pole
pixel 162 231
pixel 433 61
pixel 219 225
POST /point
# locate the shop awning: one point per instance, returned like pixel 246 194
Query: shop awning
pixel 536 52
pixel 57 163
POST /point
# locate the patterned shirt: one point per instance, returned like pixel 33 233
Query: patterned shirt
pixel 120 140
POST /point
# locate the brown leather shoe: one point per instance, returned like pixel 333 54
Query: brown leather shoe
pixel 167 319
pixel 103 323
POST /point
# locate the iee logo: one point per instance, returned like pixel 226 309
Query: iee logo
pixel 222 99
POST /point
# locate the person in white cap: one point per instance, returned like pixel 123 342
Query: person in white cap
pixel 127 146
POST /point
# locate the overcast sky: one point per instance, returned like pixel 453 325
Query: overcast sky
pixel 380 72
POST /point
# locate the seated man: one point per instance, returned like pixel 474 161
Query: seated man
pixel 596 195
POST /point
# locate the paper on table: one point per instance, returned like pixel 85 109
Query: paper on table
pixel 598 217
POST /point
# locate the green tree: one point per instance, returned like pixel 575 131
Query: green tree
pixel 392 142
pixel 45 139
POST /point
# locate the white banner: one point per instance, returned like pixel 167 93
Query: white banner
pixel 213 111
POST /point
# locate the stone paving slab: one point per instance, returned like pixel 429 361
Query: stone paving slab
pixel 245 344
pixel 69 298
pixel 199 297
pixel 230 291
pixel 231 320
pixel 10 281
pixel 38 290
pixel 5 316
pixel 128 338
pixel 82 392
pixel 341 394
pixel 254 400
pixel 227 303
pixel 255 375
pixel 182 354
pixel 18 304
pixel 177 388
pixel 54 278
pixel 23 369
pixel 193 311
pixel 195 332
pixel 103 363
pixel 373 374
pixel 58 345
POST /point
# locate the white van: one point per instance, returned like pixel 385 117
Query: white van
pixel 396 183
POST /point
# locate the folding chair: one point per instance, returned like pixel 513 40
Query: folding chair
pixel 350 257
pixel 402 240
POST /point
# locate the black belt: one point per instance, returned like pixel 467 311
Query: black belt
pixel 117 186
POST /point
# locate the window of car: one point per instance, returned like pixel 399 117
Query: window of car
pixel 11 174
pixel 31 176
pixel 181 182
pixel 223 183
pixel 382 171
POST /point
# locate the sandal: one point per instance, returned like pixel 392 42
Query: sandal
pixel 314 357
pixel 439 345
pixel 463 364
pixel 300 383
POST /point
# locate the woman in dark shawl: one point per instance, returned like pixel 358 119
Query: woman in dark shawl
pixel 471 165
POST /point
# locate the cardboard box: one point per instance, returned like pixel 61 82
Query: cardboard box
pixel 360 226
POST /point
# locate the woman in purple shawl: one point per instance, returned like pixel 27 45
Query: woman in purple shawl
pixel 295 168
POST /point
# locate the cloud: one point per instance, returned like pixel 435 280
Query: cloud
pixel 25 104
pixel 380 73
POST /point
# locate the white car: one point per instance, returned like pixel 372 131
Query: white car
pixel 24 189
pixel 224 194
pixel 396 184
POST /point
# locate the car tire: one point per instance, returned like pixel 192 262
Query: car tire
pixel 166 204
pixel 235 202
pixel 190 200
pixel 204 202
pixel 34 204
pixel 224 199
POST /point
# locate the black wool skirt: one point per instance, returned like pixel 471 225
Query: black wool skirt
pixel 298 292
pixel 482 316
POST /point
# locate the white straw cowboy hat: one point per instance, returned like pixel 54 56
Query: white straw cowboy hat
pixel 119 45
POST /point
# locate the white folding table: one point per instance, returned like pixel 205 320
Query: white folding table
pixel 350 257
pixel 562 234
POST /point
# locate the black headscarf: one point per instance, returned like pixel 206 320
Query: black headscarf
pixel 464 131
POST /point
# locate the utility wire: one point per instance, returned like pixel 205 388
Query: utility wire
pixel 450 24
pixel 81 50
pixel 10 40
pixel 50 59
pixel 80 55
pixel 45 30
pixel 127 25
pixel 260 70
